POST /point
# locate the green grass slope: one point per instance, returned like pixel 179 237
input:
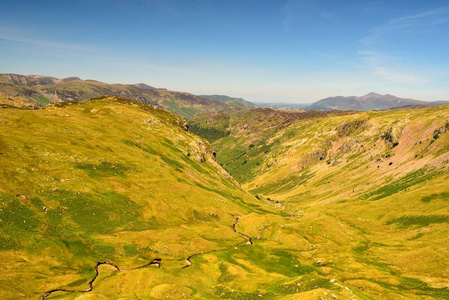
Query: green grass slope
pixel 118 181
pixel 367 190
pixel 108 179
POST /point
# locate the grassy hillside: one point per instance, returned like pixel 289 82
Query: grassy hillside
pixel 368 191
pixel 112 180
pixel 38 91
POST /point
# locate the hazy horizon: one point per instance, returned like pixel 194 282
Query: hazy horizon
pixel 294 51
pixel 231 96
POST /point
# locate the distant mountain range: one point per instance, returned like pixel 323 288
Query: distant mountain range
pixel 33 80
pixel 38 91
pixel 371 101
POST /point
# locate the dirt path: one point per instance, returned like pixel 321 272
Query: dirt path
pixel 155 262
pixel 250 242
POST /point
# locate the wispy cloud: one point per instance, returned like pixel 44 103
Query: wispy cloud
pixel 369 7
pixel 133 64
pixel 388 68
pixel 44 43
pixel 162 4
pixel 440 21
pixel 399 68
pixel 119 62
pixel 398 76
pixel 304 10
pixel 288 11
pixel 327 56
pixel 407 24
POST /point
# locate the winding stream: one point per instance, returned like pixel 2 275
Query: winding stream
pixel 155 262
pixel 250 239
pixel 250 242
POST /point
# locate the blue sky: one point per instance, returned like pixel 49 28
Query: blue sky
pixel 269 51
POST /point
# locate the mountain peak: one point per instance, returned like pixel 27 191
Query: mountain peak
pixel 144 86
pixel 372 94
pixel 371 101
